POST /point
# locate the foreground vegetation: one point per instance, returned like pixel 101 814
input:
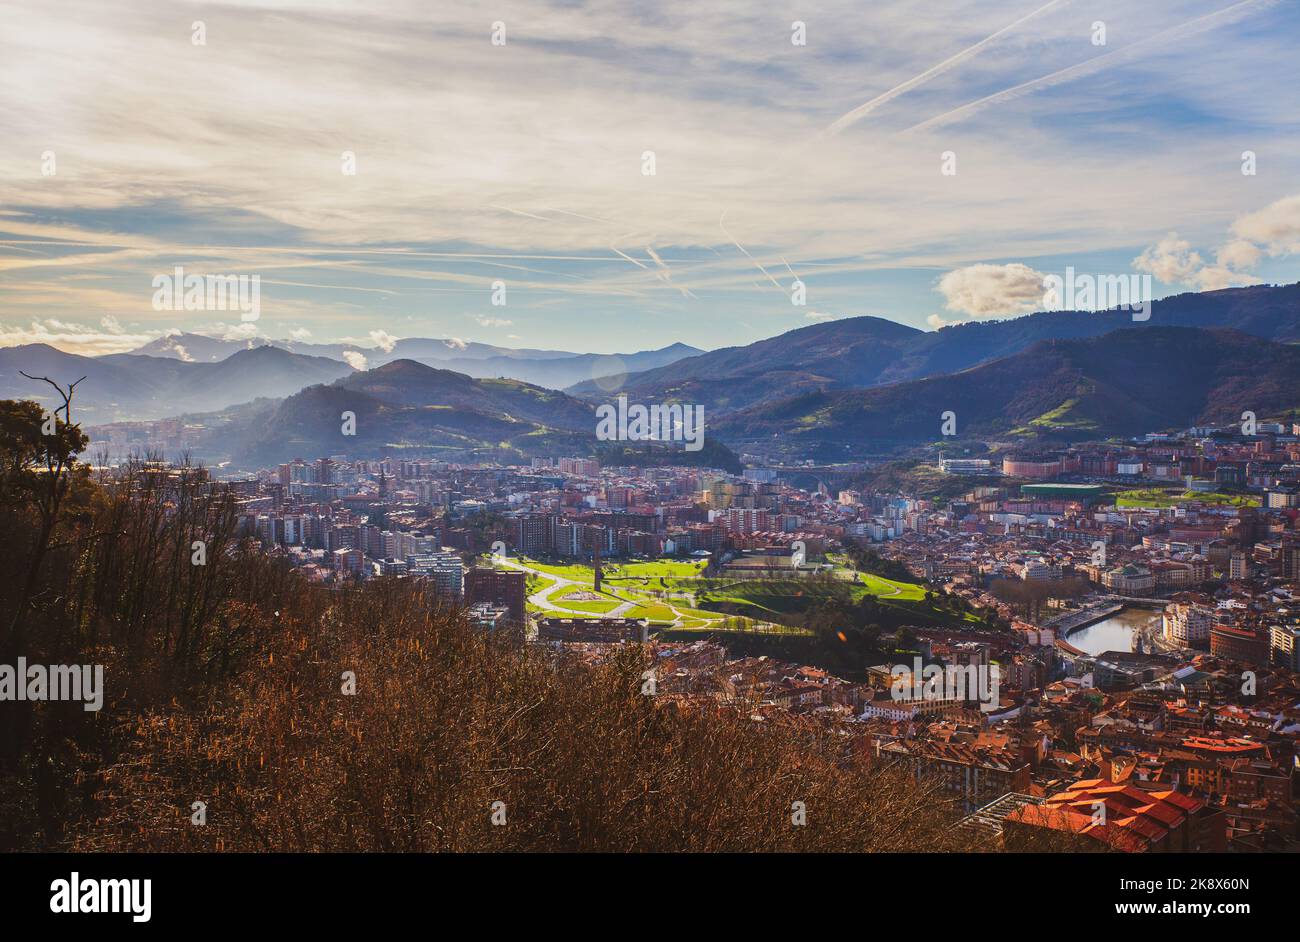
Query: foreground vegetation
pixel 228 684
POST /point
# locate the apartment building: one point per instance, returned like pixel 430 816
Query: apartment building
pixel 500 588
pixel 1187 624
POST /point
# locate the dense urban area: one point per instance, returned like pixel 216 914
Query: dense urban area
pixel 1134 604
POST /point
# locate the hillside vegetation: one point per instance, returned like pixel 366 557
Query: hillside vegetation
pixel 225 684
pixel 872 351
pixel 1125 383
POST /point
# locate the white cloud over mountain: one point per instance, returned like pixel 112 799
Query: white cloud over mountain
pixel 991 290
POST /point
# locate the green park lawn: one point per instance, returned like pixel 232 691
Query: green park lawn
pixel 881 587
pixel 1157 497
pixel 606 603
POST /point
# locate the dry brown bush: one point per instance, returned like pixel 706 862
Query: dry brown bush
pixel 224 686
pixel 446 721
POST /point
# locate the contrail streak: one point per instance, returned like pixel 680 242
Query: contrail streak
pixel 603 222
pixel 746 251
pixel 635 261
pixel 518 212
pixel 1208 21
pixel 863 110
pixel 665 273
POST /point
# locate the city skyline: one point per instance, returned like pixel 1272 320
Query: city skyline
pixel 523 162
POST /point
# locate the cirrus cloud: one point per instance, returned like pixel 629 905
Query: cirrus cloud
pixel 542 180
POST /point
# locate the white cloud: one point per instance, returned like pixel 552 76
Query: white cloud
pixel 383 340
pixel 171 343
pixel 354 359
pixel 993 290
pixel 1171 260
pixel 1273 230
pixel 1277 226
pixel 1214 277
pixel 73 338
pixel 244 330
pixel 1240 253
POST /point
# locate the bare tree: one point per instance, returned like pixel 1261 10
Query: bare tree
pixel 59 454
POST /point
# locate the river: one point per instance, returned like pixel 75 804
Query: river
pixel 1113 634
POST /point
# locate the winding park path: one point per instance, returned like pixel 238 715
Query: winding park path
pixel 882 588
pixel 559 584
pixel 893 589
pixel 657 606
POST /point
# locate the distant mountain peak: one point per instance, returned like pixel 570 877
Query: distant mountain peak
pixel 405 367
pixel 263 351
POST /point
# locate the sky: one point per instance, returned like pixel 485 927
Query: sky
pixel 632 174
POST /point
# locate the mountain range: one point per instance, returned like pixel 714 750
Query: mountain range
pixel 1124 383
pixel 555 369
pixel 855 387
pixel 124 386
pixel 193 372
pixel 871 351
pixel 409 408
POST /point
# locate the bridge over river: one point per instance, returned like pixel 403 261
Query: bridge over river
pixel 1064 623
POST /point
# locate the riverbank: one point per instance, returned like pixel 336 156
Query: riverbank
pixel 1114 632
